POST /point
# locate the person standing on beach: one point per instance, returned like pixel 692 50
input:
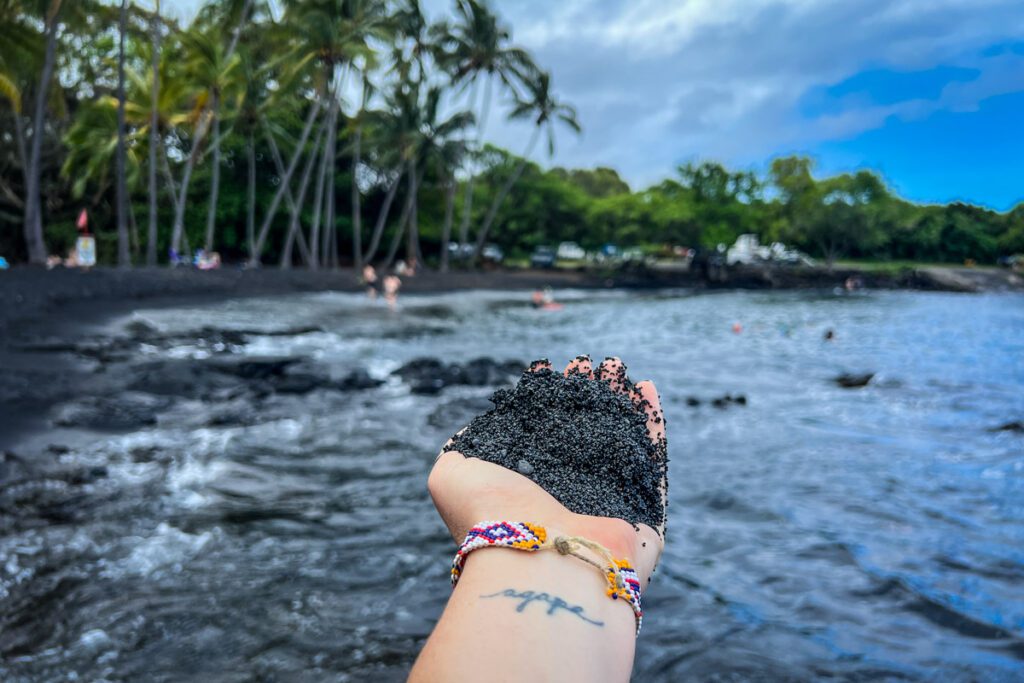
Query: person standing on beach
pixel 537 616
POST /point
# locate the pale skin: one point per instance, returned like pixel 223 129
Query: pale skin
pixel 518 616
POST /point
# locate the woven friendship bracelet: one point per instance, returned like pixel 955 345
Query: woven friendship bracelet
pixel 623 582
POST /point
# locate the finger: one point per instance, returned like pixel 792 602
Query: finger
pixel 538 365
pixel 580 366
pixel 645 395
pixel 613 371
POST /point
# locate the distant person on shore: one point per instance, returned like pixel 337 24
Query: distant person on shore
pixel 406 269
pixel 391 286
pixel 371 281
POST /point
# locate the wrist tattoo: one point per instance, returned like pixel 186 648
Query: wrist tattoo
pixel 553 603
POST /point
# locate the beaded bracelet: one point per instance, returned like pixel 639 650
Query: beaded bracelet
pixel 622 579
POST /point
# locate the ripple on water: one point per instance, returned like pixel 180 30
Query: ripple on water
pixel 814 532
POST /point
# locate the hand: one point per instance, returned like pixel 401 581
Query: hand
pixel 469 490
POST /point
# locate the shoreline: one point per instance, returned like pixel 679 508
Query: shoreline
pixel 39 298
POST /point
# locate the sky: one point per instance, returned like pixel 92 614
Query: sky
pixel 929 93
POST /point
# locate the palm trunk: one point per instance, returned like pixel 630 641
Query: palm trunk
pixel 467 207
pixel 154 122
pixel 276 201
pixel 329 256
pixel 412 246
pixel 403 222
pixel 449 210
pixel 318 204
pixel 124 257
pixel 492 212
pixel 33 226
pixel 134 229
pixel 357 214
pixel 294 227
pixel 250 214
pixel 292 206
pixel 211 208
pixel 168 176
pixel 382 217
pixel 396 240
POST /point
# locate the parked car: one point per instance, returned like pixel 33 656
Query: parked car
pixel 492 253
pixel 747 250
pixel 460 252
pixel 543 257
pixel 570 251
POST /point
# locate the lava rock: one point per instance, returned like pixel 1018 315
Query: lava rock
pixel 1015 426
pixel 358 379
pixel 129 410
pixel 431 375
pixel 852 381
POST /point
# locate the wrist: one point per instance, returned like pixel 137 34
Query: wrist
pixel 542 615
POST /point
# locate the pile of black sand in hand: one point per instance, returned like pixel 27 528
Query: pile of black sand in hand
pixel 582 442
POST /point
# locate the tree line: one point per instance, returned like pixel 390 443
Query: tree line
pixel 321 132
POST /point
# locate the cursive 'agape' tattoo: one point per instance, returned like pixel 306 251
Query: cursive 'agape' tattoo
pixel 553 602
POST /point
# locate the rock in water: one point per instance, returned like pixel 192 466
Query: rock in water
pixel 852 381
pixel 583 443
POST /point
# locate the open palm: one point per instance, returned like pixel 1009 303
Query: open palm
pixel 468 490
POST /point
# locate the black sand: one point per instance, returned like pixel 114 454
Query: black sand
pixel 583 443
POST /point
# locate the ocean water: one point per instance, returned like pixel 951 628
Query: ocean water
pixel 815 532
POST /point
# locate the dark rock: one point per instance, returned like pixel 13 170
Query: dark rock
pixel 1015 426
pixel 524 467
pixel 298 383
pixel 187 378
pixel 453 414
pixel 692 401
pixel 358 379
pixel 852 381
pixel 427 386
pixel 252 367
pixel 128 410
pixel 140 329
pixel 431 375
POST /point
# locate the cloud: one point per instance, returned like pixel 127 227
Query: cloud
pixel 659 82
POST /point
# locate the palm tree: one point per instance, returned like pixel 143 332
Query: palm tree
pixel 203 120
pixel 476 50
pixel 357 123
pixel 210 66
pixel 332 34
pixel 448 156
pixel 22 54
pixel 545 110
pixel 154 135
pixel 440 142
pixel 33 226
pixel 123 255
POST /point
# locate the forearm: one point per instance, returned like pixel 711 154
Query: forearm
pixel 518 616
